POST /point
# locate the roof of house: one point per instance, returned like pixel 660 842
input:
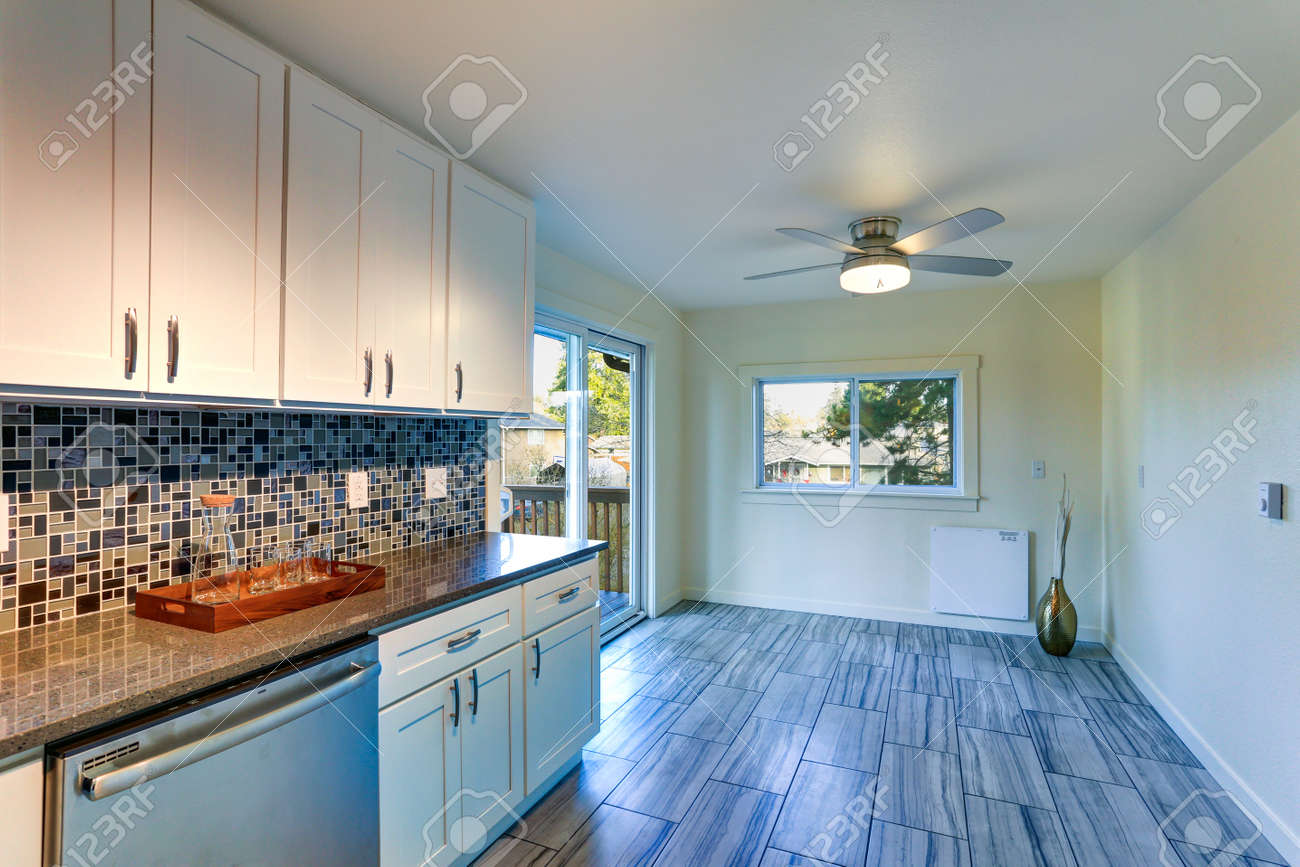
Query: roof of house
pixel 818 452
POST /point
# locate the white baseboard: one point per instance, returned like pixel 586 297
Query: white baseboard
pixel 665 601
pixel 1283 837
pixel 874 612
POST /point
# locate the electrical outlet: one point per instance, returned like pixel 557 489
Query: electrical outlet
pixel 435 483
pixel 1038 470
pixel 358 490
pixel 4 522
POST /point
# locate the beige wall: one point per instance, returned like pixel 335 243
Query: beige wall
pixel 1040 394
pixel 567 287
pixel 1199 322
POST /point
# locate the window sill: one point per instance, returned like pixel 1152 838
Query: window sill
pixel 841 501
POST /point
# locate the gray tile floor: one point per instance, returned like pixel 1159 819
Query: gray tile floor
pixel 745 736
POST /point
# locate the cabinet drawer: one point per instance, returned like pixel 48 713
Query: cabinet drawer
pixel 560 594
pixel 416 655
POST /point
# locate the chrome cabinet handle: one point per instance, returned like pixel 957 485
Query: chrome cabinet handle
pixel 473 702
pixel 568 594
pixel 455 695
pixel 173 346
pixel 132 340
pixel 388 363
pixel 370 370
pixel 537 649
pixel 460 382
pixel 457 643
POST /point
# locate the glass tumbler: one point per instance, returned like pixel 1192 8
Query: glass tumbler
pixel 266 578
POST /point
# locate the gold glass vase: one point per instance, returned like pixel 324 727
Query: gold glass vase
pixel 1058 624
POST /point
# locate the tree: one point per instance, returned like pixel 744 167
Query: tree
pixel 911 419
pixel 609 396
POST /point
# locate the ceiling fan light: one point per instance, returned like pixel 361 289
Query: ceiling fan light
pixel 870 275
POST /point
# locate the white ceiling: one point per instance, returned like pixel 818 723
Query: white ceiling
pixel 651 121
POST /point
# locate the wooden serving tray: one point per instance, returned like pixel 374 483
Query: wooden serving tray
pixel 175 604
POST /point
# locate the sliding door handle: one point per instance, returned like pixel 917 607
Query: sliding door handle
pixel 132 341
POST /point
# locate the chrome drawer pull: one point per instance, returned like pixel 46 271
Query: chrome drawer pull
pixel 568 594
pixel 457 643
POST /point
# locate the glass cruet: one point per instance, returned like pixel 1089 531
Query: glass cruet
pixel 217 560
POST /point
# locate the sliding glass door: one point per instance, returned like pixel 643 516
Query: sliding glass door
pixel 575 467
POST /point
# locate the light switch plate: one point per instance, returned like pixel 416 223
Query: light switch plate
pixel 4 522
pixel 435 483
pixel 1038 470
pixel 358 490
pixel 1270 499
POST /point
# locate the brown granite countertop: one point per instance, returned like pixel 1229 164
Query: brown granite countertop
pixel 67 677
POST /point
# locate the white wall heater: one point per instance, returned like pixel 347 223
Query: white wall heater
pixel 980 572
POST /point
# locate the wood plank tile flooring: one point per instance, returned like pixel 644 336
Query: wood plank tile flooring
pixel 747 736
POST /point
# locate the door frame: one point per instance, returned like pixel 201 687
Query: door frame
pixel 586 334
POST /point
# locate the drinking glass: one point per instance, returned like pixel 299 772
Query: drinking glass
pixel 267 578
pixel 326 554
pixel 295 569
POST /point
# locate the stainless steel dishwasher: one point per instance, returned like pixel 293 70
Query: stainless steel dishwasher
pixel 278 769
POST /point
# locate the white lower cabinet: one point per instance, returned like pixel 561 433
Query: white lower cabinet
pixel 561 693
pixel 459 757
pixel 22 784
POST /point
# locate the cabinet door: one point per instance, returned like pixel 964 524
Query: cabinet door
pixel 492 741
pixel 218 157
pixel 22 788
pixel 419 777
pixel 74 191
pixel 411 333
pixel 331 235
pixel 561 694
pixel 489 296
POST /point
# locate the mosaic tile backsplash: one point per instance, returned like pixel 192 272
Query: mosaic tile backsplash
pixel 105 500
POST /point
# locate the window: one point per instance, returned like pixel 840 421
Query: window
pixel 889 432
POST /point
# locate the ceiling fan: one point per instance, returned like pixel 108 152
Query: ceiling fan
pixel 878 261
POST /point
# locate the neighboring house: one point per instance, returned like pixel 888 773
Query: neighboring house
pixel 813 460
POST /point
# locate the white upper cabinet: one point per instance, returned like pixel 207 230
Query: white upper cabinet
pixel 411 306
pixel 218 157
pixel 74 192
pixel 332 229
pixel 489 296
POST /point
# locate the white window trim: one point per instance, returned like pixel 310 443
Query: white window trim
pixel 962 496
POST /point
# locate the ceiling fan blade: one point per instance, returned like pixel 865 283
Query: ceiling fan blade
pixel 960 265
pixel 792 271
pixel 946 231
pixel 820 240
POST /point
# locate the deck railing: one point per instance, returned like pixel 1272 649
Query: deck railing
pixel 539 510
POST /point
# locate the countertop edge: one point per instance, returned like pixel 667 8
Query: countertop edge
pixel 148 700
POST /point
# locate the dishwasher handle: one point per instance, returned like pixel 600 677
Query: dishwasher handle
pixel 102 785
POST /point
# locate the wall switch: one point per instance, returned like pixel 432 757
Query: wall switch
pixel 1270 500
pixel 1038 470
pixel 4 522
pixel 435 483
pixel 358 490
